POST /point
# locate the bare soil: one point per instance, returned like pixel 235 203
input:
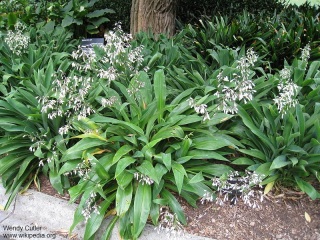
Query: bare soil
pixel 287 215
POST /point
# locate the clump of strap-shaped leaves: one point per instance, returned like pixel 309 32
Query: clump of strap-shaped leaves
pixel 134 157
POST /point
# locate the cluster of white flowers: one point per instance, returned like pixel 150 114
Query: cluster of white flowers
pixel 207 197
pixel 118 54
pixel 64 129
pixel 108 102
pixel 90 206
pixel 110 74
pixel 199 108
pixel 170 224
pixel 116 49
pixel 305 54
pixel 116 57
pixel 234 186
pixel 287 92
pixel 68 99
pixel 134 87
pixel 49 159
pixel 143 179
pixel 82 169
pixel 240 86
pixel 37 140
pixel 17 41
pixel 85 58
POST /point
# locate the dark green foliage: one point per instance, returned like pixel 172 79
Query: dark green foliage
pixel 190 11
pixel 277 37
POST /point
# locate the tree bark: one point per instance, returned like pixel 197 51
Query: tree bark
pixel 157 16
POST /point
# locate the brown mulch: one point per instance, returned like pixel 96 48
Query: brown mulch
pixel 283 216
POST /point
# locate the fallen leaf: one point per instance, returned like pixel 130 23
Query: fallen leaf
pixel 1 208
pixel 307 216
pixel 268 188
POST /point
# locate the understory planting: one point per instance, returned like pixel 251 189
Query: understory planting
pixel 221 112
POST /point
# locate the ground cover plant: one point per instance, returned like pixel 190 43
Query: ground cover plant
pixel 132 125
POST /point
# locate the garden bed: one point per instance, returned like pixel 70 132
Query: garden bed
pixel 280 216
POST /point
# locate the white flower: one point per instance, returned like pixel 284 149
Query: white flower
pixel 285 74
pixel 108 102
pixel 64 130
pixel 287 93
pixel 235 186
pixel 143 179
pixel 17 41
pixel 305 55
pixel 200 109
pixel 207 197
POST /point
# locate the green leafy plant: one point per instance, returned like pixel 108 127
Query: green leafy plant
pixel 82 14
pixel 30 141
pixel 281 143
pixel 140 151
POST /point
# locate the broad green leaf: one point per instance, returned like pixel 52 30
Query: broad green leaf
pixel 99 13
pixel 203 154
pixel 160 170
pixel 301 122
pixel 67 21
pixel 254 153
pixel 129 126
pixel 100 170
pixel 279 162
pixel 296 149
pixel 210 143
pixel 13 146
pixel 90 135
pixel 123 163
pixel 166 158
pixel 185 146
pixel 197 178
pixel 96 219
pixel 123 199
pixel 147 169
pixel 243 161
pixel 121 152
pixel 174 205
pixel 69 166
pixel 141 208
pixel 154 213
pixel 124 179
pixel 160 91
pixel 218 118
pixel 268 180
pixel 9 161
pixel 169 132
pixel 84 144
pixel 264 169
pixel 150 145
pixel 97 22
pixel 55 180
pixel 211 169
pixel 179 173
pixel 307 188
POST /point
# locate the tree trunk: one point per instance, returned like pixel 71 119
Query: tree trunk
pixel 157 16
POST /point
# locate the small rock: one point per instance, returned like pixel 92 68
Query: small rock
pixel 252 224
pixel 278 236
